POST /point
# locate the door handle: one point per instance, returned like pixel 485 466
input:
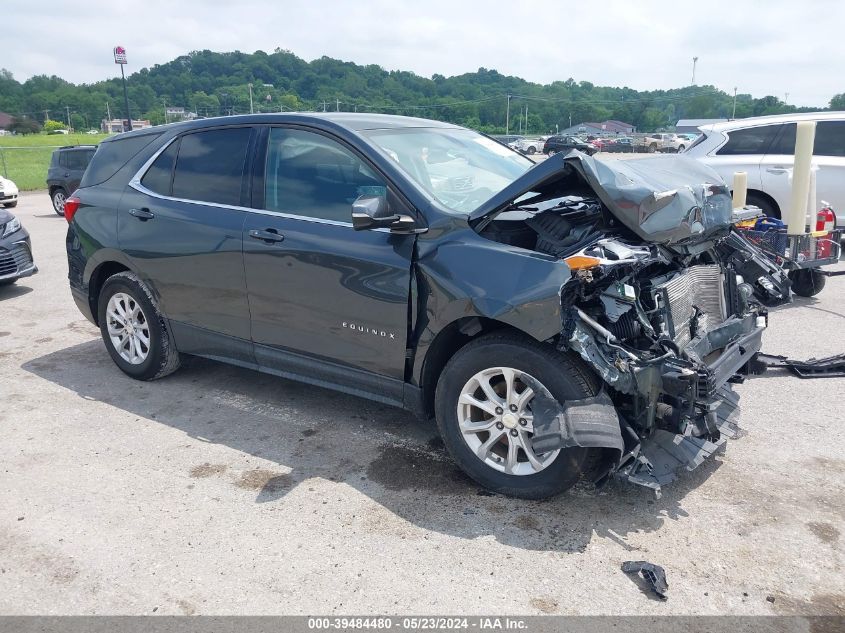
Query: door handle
pixel 142 214
pixel 267 235
pixel 776 170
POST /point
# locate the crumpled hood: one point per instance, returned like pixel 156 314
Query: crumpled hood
pixel 665 199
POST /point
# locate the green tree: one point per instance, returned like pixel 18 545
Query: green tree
pixel 52 126
pixel 838 102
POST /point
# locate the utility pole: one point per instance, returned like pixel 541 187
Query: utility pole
pixel 46 115
pixel 694 62
pixel 570 119
pixel 250 98
pixel 67 108
pixel 508 116
pixel 324 105
pixel 733 116
pixel 526 118
pixel 337 107
pixel 786 98
pixel 164 103
pixel 108 114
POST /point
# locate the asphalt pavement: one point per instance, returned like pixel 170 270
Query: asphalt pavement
pixel 218 490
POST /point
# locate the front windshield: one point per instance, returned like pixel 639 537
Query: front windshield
pixel 460 168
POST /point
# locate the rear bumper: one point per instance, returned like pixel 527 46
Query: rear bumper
pixel 80 298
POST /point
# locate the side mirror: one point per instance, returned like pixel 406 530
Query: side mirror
pixel 372 212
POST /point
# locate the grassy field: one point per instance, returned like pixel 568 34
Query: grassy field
pixel 25 159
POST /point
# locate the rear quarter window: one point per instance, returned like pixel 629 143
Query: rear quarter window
pixel 112 155
pixel 751 140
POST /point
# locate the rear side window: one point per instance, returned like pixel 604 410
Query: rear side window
pixel 79 159
pixel 210 166
pixel 751 140
pixel 112 155
pixel 830 138
pixel 159 176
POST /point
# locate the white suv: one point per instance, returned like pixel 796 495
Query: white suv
pixel 764 147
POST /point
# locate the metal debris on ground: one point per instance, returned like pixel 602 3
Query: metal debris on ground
pixel 653 574
pixel 828 367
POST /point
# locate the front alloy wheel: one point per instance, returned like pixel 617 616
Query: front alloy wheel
pixel 484 409
pixel 496 421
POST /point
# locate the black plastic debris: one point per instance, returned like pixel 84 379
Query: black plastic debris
pixel 828 367
pixel 653 574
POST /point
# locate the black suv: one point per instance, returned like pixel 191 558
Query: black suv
pixel 66 168
pixel 555 144
pixel 566 319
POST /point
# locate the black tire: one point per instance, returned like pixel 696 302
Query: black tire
pixel 531 151
pixel 766 206
pixel 552 152
pixel 681 148
pixel 58 197
pixel 566 377
pixel 807 282
pixel 652 148
pixel 11 205
pixel 162 357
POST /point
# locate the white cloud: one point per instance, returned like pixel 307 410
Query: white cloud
pixel 775 47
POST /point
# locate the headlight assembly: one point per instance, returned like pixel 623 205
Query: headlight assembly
pixel 10 227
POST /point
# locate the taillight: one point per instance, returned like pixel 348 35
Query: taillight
pixel 826 220
pixel 71 207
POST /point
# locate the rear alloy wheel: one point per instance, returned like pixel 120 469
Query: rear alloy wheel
pixel 483 406
pixel 532 150
pixel 134 330
pixel 59 196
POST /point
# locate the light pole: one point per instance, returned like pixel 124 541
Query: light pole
pixel 508 116
pixel 120 58
pixel 694 62
pixel 733 116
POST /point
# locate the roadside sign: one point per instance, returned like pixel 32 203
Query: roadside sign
pixel 119 55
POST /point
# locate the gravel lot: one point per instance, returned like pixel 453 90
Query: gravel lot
pixel 222 491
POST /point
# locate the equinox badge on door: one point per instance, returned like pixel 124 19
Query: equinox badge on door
pixel 363 329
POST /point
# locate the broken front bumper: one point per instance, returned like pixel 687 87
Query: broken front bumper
pixel 688 403
pixel 711 409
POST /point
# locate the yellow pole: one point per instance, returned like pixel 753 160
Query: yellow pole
pixel 740 189
pixel 805 135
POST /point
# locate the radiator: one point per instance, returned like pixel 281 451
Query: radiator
pixel 699 287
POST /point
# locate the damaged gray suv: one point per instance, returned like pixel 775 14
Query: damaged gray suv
pixel 569 319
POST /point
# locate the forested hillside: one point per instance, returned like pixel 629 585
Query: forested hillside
pixel 214 84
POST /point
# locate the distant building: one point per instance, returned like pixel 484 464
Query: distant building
pixel 611 127
pixel 120 125
pixel 690 126
pixel 174 113
pixel 5 120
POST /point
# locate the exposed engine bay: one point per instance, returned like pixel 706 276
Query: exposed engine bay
pixel 667 320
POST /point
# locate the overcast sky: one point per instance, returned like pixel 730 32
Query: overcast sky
pixel 772 47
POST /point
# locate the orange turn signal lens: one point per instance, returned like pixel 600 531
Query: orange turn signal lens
pixel 582 262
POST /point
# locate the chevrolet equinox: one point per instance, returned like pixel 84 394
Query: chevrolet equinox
pixel 573 318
